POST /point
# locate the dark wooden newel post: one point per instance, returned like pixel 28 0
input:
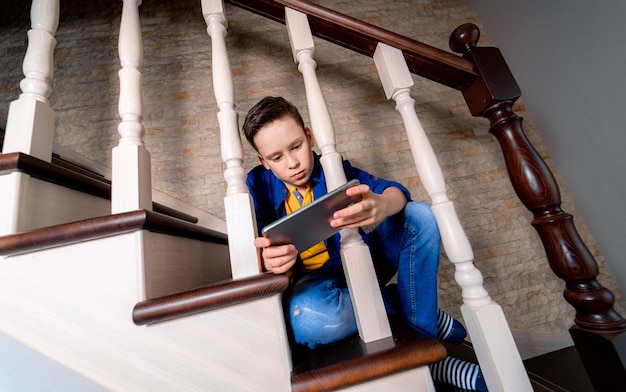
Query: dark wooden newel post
pixel 599 331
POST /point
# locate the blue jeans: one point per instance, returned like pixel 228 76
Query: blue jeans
pixel 319 309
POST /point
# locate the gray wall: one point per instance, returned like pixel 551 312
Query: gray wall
pixel 568 58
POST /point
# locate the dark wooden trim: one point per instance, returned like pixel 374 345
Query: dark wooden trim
pixel 89 229
pixel 161 223
pixel 165 210
pixel 64 173
pixel 208 298
pixel 351 361
pixel 424 60
pixel 59 161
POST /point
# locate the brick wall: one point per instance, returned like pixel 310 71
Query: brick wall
pixel 183 138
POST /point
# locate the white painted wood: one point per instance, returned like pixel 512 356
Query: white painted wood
pixel 238 205
pixel 204 219
pixel 357 261
pixel 131 187
pixel 73 304
pixel 411 380
pixel 132 181
pixel 173 264
pixel 12 186
pixel 28 203
pixel 496 351
pixel 30 121
pixel 495 348
pixel 60 205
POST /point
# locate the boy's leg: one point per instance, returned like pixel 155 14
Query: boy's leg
pixel 409 243
pixel 449 329
pixel 319 308
pixel 462 374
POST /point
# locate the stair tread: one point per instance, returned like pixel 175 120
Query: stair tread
pixel 562 367
pixel 88 229
pixel 351 361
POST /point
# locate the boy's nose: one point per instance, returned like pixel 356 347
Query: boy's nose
pixel 293 161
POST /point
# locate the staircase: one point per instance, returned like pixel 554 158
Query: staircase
pixel 142 295
pixel 194 310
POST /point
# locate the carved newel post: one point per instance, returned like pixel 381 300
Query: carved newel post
pixel 599 330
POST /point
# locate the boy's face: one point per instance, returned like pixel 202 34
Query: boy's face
pixel 285 149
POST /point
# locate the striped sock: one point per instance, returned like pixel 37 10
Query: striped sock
pixel 449 329
pixel 461 374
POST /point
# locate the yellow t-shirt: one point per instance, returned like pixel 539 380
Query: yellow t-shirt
pixel 317 255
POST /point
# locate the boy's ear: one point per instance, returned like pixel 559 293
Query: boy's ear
pixel 309 135
pixel 263 162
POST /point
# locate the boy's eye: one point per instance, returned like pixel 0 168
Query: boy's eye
pixel 276 158
pixel 297 146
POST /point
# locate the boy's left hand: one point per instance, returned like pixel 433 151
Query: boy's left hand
pixel 372 208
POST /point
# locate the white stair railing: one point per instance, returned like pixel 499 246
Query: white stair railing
pixel 491 337
pixel 367 300
pixel 239 209
pixel 131 185
pixel 30 122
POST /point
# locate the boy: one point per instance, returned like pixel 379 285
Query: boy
pixel 405 239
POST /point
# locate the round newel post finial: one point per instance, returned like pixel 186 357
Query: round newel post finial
pixel 464 38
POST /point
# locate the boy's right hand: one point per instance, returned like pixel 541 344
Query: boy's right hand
pixel 276 259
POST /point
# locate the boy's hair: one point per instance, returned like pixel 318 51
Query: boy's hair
pixel 266 111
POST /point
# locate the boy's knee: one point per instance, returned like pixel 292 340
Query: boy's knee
pixel 321 322
pixel 421 215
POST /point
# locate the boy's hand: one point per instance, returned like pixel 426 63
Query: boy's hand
pixel 276 259
pixel 371 210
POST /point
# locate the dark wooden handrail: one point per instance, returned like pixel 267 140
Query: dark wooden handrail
pixel 424 60
pixel 89 229
pixel 66 174
pixel 210 297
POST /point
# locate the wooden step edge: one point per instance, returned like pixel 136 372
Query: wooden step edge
pixel 210 297
pixel 351 361
pixel 60 175
pixel 64 173
pixel 165 210
pixel 100 227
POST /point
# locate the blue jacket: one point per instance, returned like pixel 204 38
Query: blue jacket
pixel 269 193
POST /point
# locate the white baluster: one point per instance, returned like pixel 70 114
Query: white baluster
pixel 498 356
pixel 238 205
pixel 30 122
pixel 357 261
pixel 131 182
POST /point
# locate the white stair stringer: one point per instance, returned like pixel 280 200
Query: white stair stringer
pixel 74 304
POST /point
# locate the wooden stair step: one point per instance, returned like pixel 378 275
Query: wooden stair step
pixel 67 174
pixel 100 227
pixel 560 370
pixel 351 361
pixel 209 297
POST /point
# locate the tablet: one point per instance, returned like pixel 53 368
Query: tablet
pixel 311 223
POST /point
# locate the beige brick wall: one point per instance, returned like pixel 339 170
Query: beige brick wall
pixel 183 138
